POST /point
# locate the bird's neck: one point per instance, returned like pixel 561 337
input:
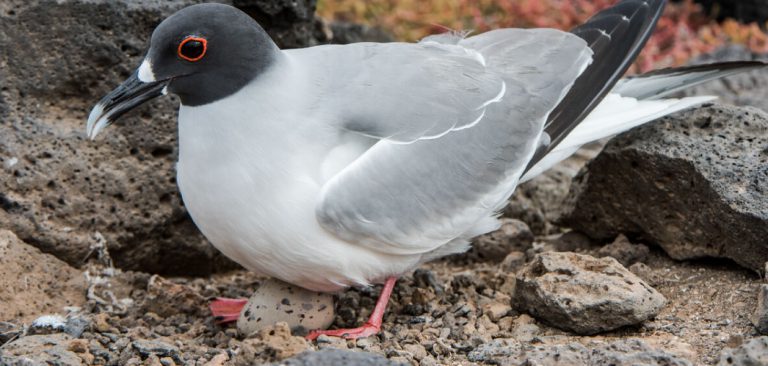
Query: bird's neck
pixel 259 123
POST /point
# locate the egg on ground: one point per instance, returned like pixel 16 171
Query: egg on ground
pixel 276 301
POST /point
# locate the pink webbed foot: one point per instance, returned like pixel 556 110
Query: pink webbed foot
pixel 226 310
pixel 371 327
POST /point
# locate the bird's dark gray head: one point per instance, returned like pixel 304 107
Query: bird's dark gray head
pixel 201 53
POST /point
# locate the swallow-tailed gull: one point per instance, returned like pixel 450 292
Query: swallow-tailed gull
pixel 349 165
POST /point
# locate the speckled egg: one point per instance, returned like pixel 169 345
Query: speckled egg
pixel 276 301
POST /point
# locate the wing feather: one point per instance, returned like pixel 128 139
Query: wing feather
pixel 616 35
pixel 433 177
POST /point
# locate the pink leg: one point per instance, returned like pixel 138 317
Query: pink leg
pixel 371 327
pixel 226 310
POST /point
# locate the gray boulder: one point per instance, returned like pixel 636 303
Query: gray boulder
pixel 338 357
pixel 695 183
pixel 584 294
pixel 624 352
pixel 496 350
pixel 37 350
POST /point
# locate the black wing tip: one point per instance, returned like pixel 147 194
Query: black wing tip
pixel 725 65
pixel 632 28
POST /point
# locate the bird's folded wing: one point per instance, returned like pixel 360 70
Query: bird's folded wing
pixel 456 125
pixel 405 92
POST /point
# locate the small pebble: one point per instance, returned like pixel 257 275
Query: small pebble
pixel 48 324
pixel 78 346
pixel 513 261
pixel 625 251
pixel 418 351
pixel 73 325
pixel 218 360
pixel 100 323
pixel 496 311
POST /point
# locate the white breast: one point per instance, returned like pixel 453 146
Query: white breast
pixel 250 170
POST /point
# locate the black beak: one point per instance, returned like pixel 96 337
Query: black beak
pixel 130 94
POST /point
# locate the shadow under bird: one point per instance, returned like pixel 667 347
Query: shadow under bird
pixel 350 165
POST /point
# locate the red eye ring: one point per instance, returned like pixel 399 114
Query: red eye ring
pixel 201 40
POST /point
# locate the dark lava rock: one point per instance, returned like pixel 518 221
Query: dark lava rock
pixel 751 353
pixel 493 351
pixel 625 251
pixel 571 241
pixel 623 352
pixel 9 332
pixel 346 32
pixel 36 350
pixel 695 183
pixel 557 354
pixel 745 89
pixel 157 348
pixel 539 201
pixel 338 357
pixel 584 294
pixel 290 23
pixel 494 247
pixel 627 352
pixel 760 318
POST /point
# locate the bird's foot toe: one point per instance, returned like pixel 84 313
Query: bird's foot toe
pixel 366 330
pixel 226 310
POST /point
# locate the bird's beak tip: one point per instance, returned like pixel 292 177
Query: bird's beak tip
pixel 128 95
pixel 96 121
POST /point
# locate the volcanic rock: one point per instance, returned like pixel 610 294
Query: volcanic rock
pixel 584 294
pixel 695 183
pixel 33 283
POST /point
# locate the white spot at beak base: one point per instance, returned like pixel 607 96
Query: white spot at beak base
pixel 145 72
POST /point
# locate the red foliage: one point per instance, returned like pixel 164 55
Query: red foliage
pixel 683 32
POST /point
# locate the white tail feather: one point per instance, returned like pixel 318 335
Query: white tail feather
pixel 614 115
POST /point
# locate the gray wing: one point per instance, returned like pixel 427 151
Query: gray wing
pixel 405 92
pixel 455 134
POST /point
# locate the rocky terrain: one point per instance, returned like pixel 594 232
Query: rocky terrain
pixel 653 253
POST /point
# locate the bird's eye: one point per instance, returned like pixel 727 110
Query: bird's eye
pixel 192 48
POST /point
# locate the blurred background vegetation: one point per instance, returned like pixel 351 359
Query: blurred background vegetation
pixel 687 29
